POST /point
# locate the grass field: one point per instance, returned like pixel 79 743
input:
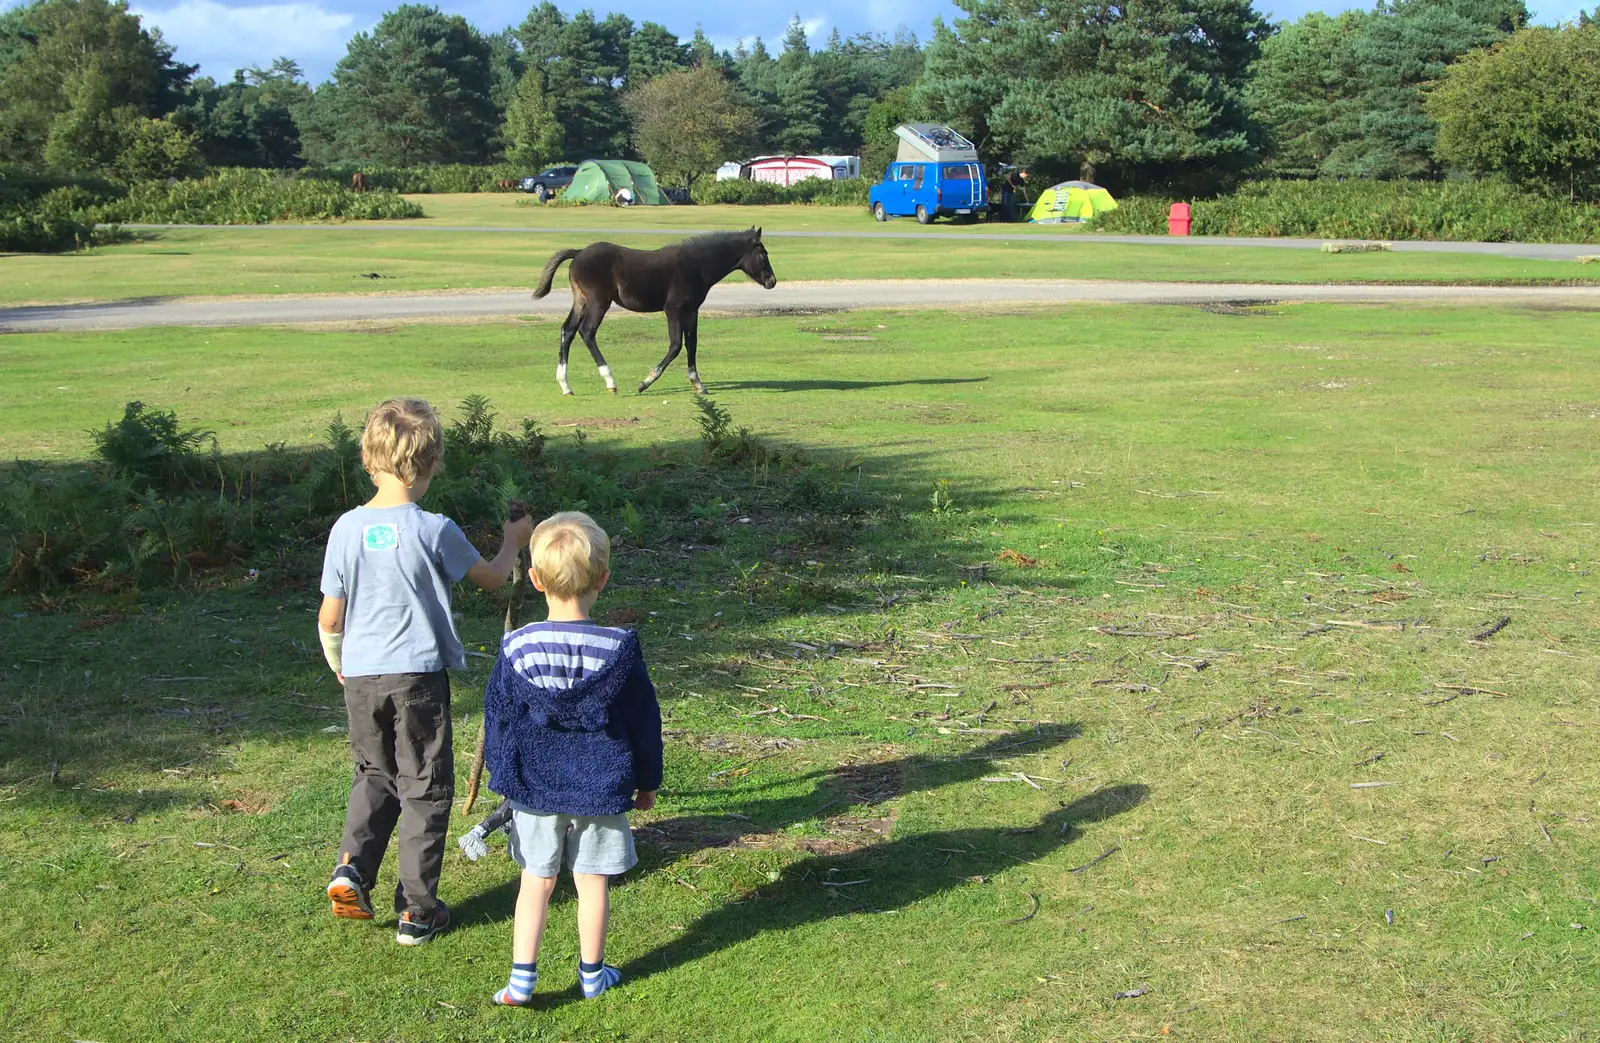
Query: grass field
pixel 412 256
pixel 1261 542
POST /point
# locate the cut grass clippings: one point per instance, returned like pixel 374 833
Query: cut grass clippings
pixel 1127 790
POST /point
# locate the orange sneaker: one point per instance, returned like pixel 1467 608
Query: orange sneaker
pixel 348 893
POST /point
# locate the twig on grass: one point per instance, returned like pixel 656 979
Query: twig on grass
pixel 1131 994
pixel 1464 689
pixel 742 764
pixel 1119 632
pixel 1096 860
pixel 1031 912
pixel 846 883
pixel 1371 785
pixel 1290 919
pixel 1375 758
pixel 1493 629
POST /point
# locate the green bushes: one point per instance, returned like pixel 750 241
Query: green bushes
pixel 452 177
pixel 1454 211
pixel 161 504
pixel 239 196
pixel 40 213
pixel 815 191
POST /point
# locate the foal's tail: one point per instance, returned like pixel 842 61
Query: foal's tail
pixel 557 259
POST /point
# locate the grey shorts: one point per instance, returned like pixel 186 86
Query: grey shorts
pixel 602 845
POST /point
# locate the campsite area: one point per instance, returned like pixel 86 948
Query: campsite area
pixel 1083 672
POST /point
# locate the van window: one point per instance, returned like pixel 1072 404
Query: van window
pixel 920 171
pixel 958 173
pixel 904 174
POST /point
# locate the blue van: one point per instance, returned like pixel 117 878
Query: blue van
pixel 936 173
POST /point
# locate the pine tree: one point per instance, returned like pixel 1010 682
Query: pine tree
pixel 531 133
pixel 1151 85
pixel 417 89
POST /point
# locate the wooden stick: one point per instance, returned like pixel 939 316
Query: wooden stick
pixel 515 512
pixel 1031 912
pixel 1096 860
pixel 1486 634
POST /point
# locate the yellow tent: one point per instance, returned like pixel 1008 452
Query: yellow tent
pixel 1070 201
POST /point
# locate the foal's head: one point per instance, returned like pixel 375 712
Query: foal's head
pixel 755 263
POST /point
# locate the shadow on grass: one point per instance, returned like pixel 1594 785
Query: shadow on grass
pixel 830 385
pixel 108 672
pixel 667 840
pixel 835 790
pixel 882 878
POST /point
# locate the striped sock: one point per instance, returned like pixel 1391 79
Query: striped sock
pixel 595 978
pixel 519 990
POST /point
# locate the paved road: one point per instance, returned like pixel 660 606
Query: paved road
pixel 1534 251
pixel 747 298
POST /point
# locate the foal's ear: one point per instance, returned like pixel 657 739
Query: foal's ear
pixel 758 235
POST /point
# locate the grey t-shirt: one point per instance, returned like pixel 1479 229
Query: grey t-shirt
pixel 394 566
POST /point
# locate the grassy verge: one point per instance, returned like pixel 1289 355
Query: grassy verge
pixel 1249 553
pixel 270 261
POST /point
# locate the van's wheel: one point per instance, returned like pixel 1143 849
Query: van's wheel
pixel 923 217
pixel 877 212
pixel 541 193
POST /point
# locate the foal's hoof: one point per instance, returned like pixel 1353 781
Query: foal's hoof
pixel 699 389
pixel 612 390
pixel 566 394
pixel 643 388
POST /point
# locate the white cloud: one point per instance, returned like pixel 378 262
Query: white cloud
pixel 222 38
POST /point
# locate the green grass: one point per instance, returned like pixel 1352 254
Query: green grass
pixel 423 255
pixel 1223 485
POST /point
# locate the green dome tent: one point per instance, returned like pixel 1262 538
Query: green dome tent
pixel 619 181
pixel 1070 201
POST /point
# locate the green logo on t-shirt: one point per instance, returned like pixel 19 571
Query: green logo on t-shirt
pixel 380 537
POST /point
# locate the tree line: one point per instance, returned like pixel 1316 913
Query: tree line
pixel 1183 95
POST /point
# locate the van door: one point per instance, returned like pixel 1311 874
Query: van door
pixel 903 201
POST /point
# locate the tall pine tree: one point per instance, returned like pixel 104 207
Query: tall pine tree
pixel 417 89
pixel 1151 86
pixel 531 134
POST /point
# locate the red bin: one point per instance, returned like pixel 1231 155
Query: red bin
pixel 1178 219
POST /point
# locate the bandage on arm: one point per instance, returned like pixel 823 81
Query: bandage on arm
pixel 332 649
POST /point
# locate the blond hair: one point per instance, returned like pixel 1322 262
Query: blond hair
pixel 403 438
pixel 571 554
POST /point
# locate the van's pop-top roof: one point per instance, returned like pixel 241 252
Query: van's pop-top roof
pixel 920 142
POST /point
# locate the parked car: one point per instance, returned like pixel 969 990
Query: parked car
pixel 927 190
pixel 550 182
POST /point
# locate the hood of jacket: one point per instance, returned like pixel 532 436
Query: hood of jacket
pixel 587 705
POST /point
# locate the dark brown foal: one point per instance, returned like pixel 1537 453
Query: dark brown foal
pixel 674 279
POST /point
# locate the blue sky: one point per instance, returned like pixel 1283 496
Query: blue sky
pixel 222 35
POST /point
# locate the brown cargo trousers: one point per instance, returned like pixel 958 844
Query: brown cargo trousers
pixel 404 773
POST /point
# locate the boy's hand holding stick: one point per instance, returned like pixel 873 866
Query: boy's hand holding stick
pixel 517 511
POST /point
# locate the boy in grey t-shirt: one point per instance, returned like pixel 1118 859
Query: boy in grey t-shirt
pixel 388 634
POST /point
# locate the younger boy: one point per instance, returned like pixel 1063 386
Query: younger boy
pixel 388 634
pixel 573 739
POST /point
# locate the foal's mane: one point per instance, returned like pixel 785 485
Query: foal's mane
pixel 709 242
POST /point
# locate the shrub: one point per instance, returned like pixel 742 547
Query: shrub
pixel 1452 211
pixel 159 504
pixel 35 232
pixel 41 213
pixel 451 177
pixel 815 191
pixel 238 196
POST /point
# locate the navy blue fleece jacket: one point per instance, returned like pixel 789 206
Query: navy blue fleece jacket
pixel 572 726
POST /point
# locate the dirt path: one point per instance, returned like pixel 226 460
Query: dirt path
pixel 747 298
